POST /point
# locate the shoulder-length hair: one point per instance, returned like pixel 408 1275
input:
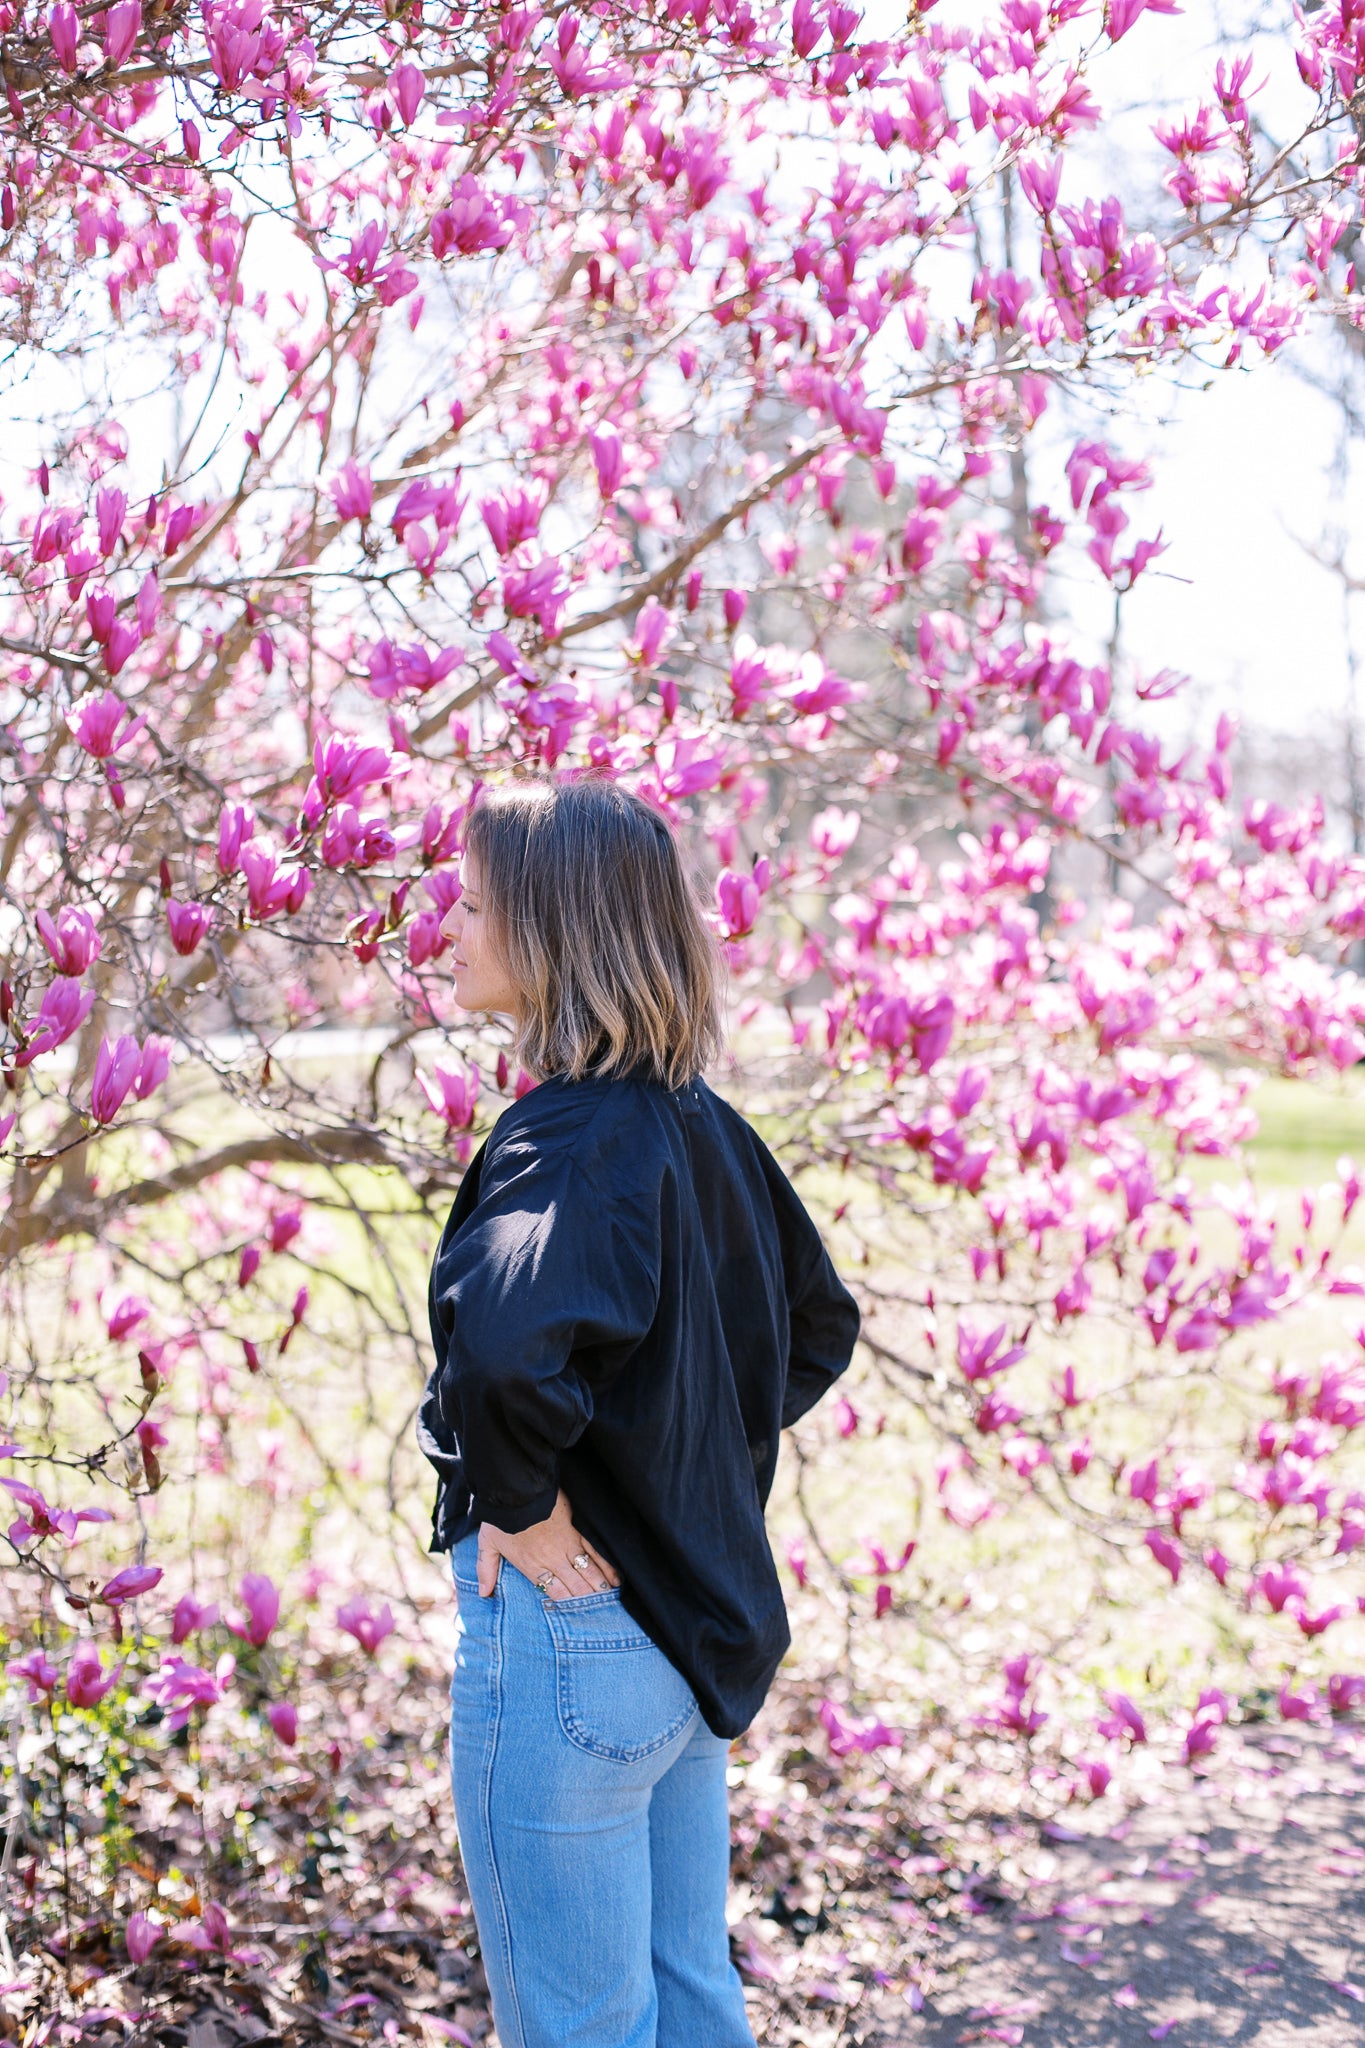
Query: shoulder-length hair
pixel 589 903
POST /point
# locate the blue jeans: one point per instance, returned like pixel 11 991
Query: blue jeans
pixel 590 1799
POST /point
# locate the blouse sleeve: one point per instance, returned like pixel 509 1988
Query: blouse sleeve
pixel 823 1316
pixel 546 1291
pixel 824 1330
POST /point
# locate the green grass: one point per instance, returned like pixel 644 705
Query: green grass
pixel 1305 1127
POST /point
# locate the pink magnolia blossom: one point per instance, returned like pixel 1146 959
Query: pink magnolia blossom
pixel 1280 1584
pixel 260 1597
pixel 151 1435
pixel 86 1679
pixel 1345 1690
pixel 283 1717
pixel 129 1312
pixel 1098 1775
pixel 105 725
pixel 513 520
pixel 426 943
pixel 64 1008
pixel 654 629
pixel 270 887
pixel 738 899
pixel 1200 1737
pixel 126 1068
pixel 37 1672
pixel 369 1629
pixel 1166 1553
pixel 40 1519
pixel 1014 1712
pixel 453 1093
pixel 212 1934
pixel 833 832
pixel 285 1225
pixel 128 1584
pixel 111 507
pixel 235 827
pixel 609 459
pixel 1311 1624
pixel 807 27
pixel 190 924
pixel 1123 1719
pixel 979 1352
pixel 849 1735
pixel 121 25
pixel 180 1687
pixel 140 1936
pixel 71 939
pixel 408 83
pixel 1123 13
pixel 472 222
pixel 190 1616
pixel 342 767
pixel 352 492
pixel 63 28
pixel 535 591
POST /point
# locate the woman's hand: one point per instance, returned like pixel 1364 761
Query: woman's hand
pixel 551 1554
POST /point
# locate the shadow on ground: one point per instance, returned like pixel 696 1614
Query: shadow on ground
pixel 1232 1912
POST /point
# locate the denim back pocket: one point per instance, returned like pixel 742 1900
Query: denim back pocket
pixel 618 1695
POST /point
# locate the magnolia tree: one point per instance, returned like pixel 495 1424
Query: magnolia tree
pixel 705 394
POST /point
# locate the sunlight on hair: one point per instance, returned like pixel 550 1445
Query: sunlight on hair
pixel 601 928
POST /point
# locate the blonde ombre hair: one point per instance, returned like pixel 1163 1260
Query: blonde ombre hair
pixel 591 908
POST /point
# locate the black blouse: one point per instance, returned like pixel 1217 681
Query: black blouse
pixel 629 1301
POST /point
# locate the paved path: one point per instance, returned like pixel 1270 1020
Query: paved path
pixel 1233 1911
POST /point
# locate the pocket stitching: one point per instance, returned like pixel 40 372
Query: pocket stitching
pixel 592 1601
pixel 576 1731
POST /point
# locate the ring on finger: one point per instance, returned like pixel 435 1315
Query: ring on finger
pixel 583 1563
pixel 545 1581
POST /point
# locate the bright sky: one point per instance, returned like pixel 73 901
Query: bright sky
pixel 1243 482
pixel 1243 468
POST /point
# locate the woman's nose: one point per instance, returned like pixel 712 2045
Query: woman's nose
pixel 451 921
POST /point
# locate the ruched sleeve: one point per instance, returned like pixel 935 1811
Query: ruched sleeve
pixel 543 1293
pixel 823 1319
pixel 824 1330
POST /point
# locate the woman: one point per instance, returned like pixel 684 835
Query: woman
pixel 627 1304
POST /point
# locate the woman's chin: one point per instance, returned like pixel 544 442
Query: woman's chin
pixel 475 1004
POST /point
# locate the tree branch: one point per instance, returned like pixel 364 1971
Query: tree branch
pixel 64 1216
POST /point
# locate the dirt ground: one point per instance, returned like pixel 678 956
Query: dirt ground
pixel 873 1908
pixel 1232 1910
